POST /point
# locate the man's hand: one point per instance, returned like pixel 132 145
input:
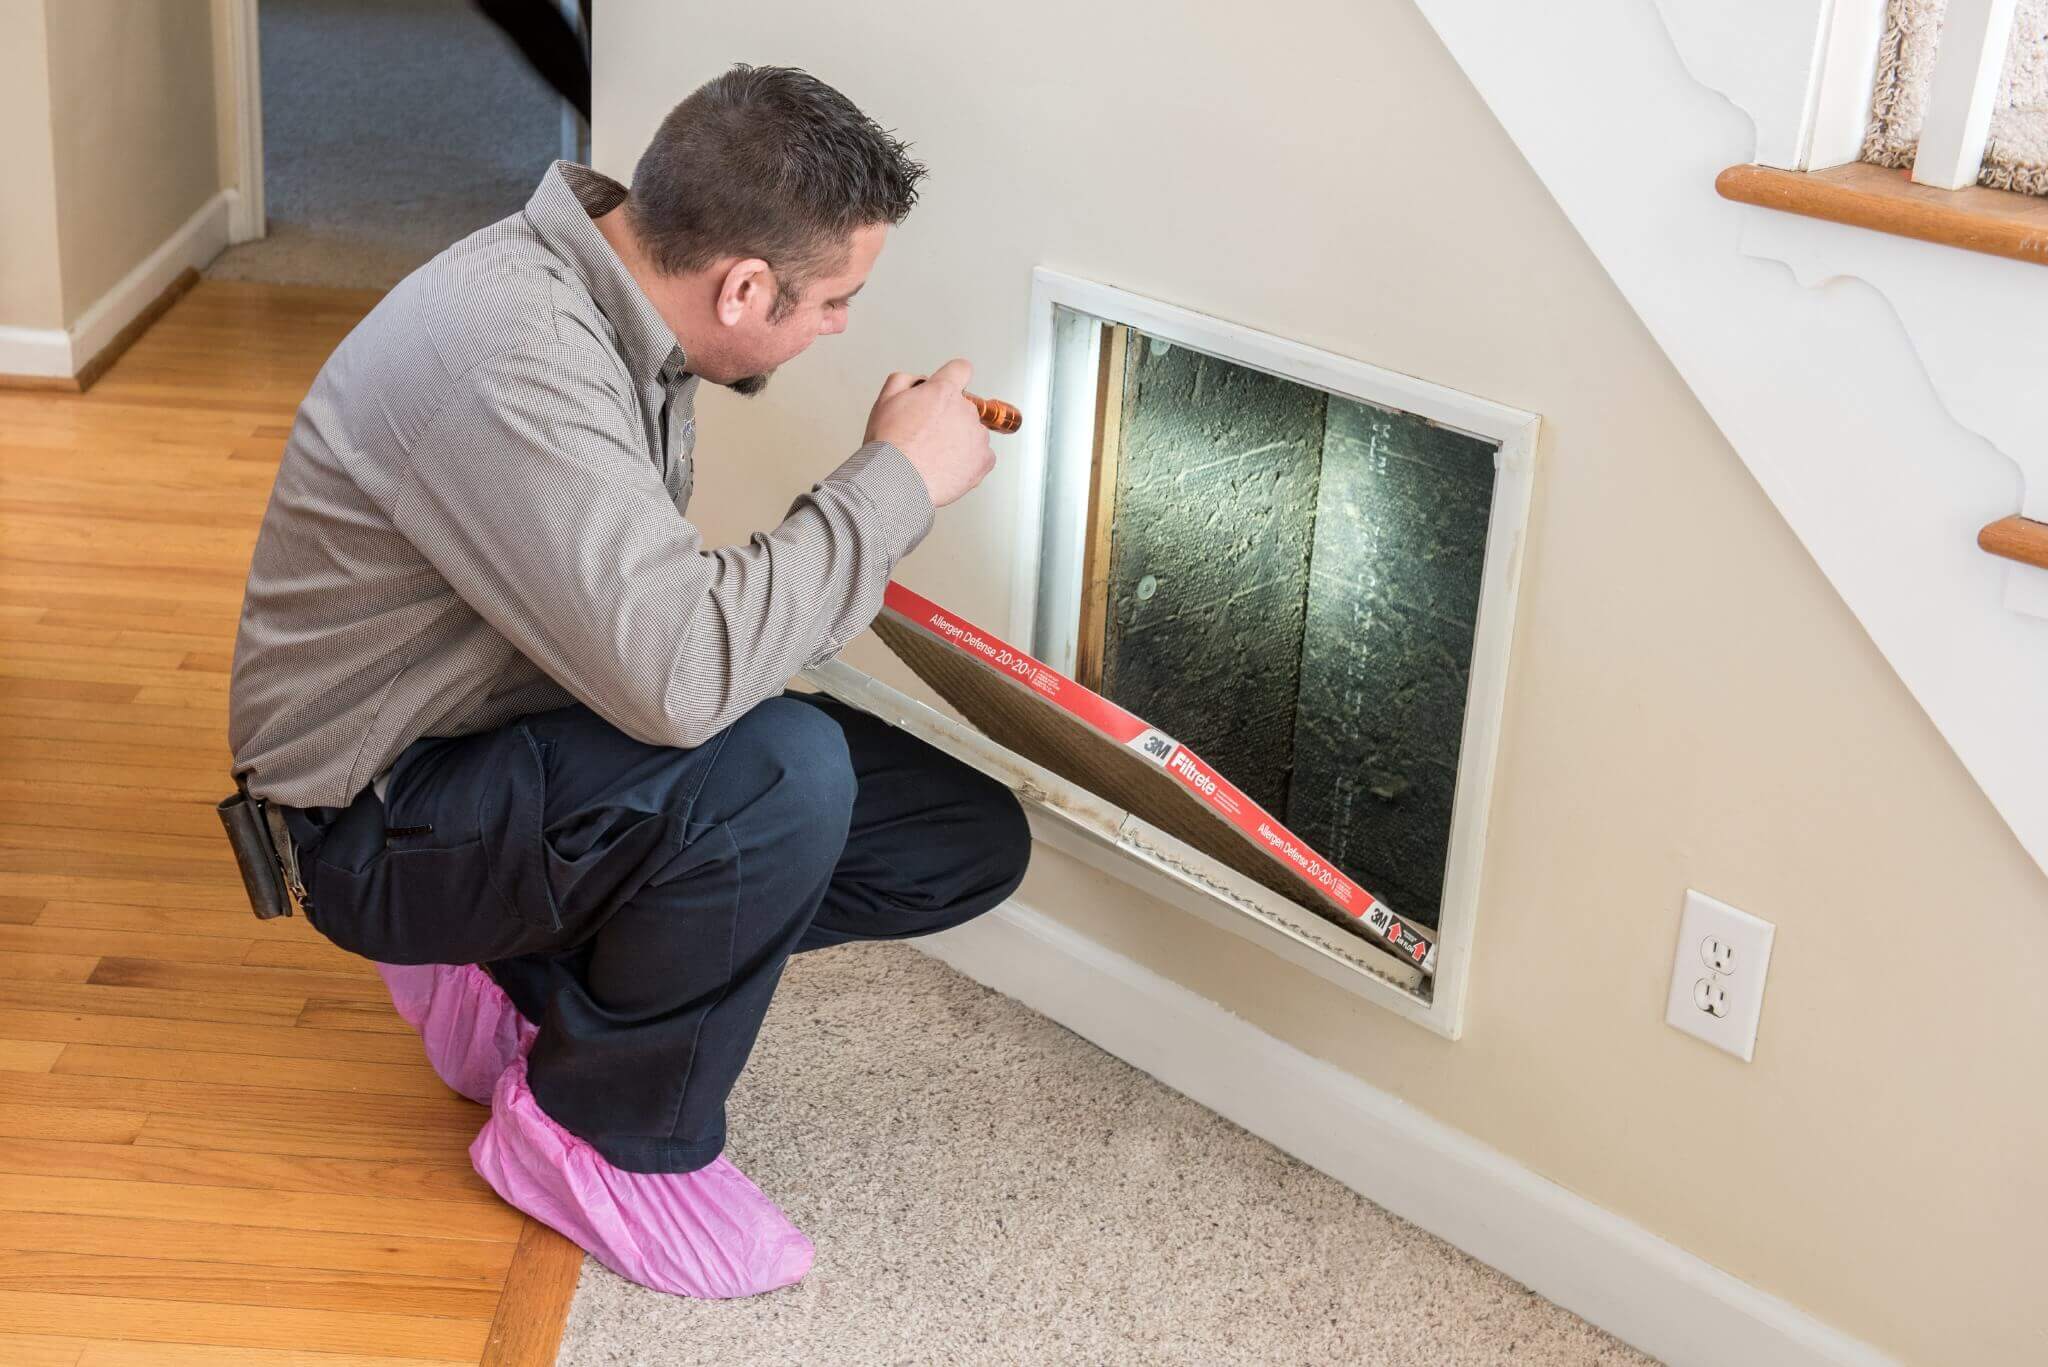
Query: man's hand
pixel 929 421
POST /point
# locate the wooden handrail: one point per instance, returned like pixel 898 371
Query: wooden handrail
pixel 1999 222
pixel 2017 538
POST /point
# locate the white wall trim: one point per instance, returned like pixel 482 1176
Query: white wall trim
pixel 1591 1261
pixel 54 354
pixel 41 352
pixel 201 238
pixel 247 220
pixel 1052 521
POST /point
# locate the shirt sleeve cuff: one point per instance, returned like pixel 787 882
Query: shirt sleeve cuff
pixel 894 489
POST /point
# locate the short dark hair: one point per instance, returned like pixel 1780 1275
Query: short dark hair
pixel 767 161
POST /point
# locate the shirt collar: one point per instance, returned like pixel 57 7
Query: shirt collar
pixel 560 211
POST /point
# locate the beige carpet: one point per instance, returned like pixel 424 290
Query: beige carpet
pixel 2016 158
pixel 391 128
pixel 984 1186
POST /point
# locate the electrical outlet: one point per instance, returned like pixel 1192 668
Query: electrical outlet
pixel 1717 975
pixel 1717 954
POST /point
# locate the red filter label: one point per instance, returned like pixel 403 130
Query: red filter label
pixel 1190 770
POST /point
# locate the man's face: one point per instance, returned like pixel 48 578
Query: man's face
pixel 820 311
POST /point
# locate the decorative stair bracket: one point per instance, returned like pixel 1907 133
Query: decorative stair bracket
pixel 1883 412
pixel 1973 320
pixel 1974 324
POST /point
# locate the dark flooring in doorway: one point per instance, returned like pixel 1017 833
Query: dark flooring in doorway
pixel 391 128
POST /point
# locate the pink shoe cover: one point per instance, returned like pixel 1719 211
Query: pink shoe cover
pixel 708 1233
pixel 470 1027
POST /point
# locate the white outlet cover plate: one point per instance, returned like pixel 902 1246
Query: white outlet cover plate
pixel 1705 919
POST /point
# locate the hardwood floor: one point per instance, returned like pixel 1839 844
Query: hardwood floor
pixel 219 1147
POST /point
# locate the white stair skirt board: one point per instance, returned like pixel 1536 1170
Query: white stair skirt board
pixel 60 353
pixel 1592 1262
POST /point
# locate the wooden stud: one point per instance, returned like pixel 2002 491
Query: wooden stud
pixel 1095 554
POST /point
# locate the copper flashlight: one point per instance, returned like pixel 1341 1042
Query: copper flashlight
pixel 996 415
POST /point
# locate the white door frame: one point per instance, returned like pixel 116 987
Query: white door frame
pixel 244 89
pixel 247 218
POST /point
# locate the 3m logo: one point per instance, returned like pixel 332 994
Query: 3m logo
pixel 1154 745
pixel 1398 934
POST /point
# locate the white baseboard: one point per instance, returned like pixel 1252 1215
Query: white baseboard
pixel 245 222
pixel 202 237
pixel 42 352
pixel 1615 1274
pixel 60 353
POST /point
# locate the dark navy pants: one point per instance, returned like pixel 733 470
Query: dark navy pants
pixel 639 901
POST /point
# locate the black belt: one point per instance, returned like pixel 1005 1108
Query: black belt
pixel 264 852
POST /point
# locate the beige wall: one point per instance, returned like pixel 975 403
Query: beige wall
pixel 1690 704
pixel 132 119
pixel 113 143
pixel 29 292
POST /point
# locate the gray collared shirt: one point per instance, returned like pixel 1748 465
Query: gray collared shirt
pixel 480 514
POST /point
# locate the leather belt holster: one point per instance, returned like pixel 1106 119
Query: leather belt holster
pixel 263 851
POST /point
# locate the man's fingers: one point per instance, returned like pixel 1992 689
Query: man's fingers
pixel 954 374
pixel 899 381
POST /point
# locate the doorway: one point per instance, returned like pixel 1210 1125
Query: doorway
pixel 390 129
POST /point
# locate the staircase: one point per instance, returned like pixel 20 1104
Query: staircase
pixel 1886 392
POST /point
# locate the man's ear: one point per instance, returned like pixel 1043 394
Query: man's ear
pixel 749 284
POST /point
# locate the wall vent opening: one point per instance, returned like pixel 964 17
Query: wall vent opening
pixel 1288 581
pixel 1302 566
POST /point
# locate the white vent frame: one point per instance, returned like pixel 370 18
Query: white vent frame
pixel 1056 458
